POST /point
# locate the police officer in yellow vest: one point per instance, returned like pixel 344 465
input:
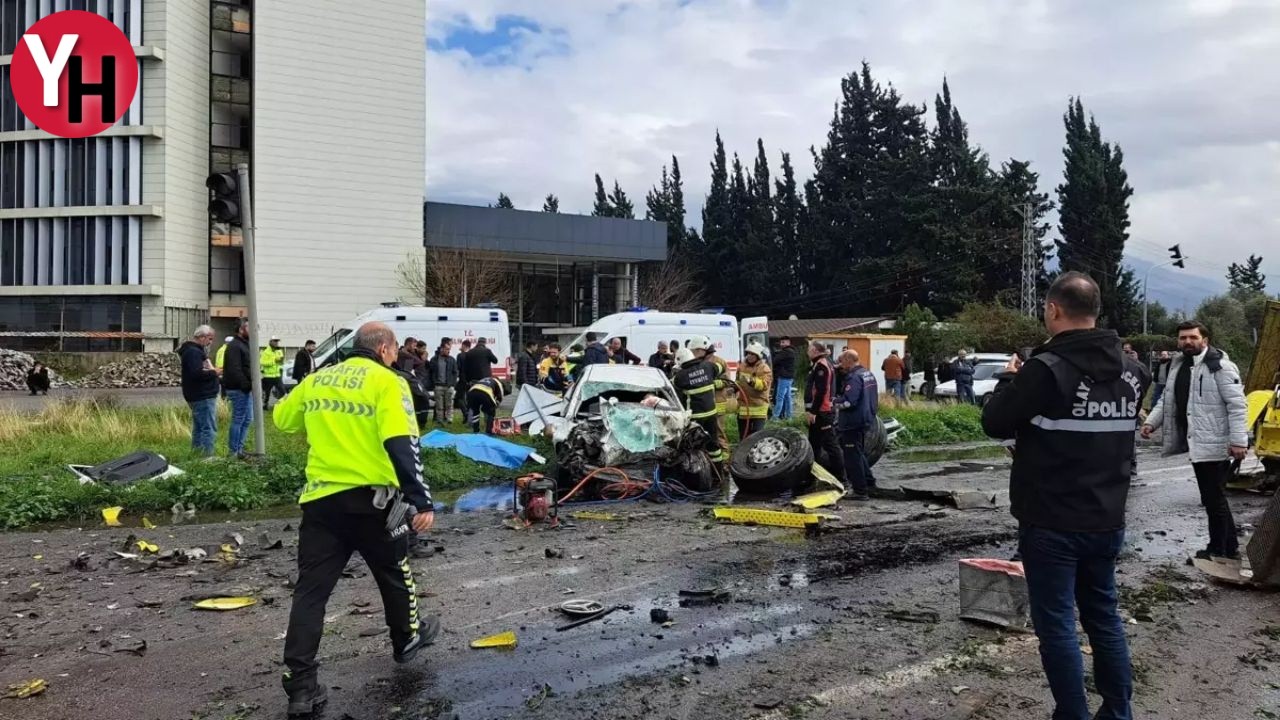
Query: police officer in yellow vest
pixel 222 352
pixel 755 379
pixel 363 473
pixel 704 349
pixel 483 398
pixel 272 359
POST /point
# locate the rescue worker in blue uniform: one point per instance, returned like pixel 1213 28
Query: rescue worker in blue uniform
pixel 363 474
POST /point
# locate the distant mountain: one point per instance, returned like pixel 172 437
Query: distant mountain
pixel 1176 289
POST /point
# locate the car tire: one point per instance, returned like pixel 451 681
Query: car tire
pixel 876 442
pixel 772 461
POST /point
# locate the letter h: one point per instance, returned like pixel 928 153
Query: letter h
pixel 78 89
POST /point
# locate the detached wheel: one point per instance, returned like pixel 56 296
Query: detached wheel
pixel 772 461
pixel 876 442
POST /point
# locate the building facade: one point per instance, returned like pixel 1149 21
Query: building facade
pixel 105 243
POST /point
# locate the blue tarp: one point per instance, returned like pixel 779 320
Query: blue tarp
pixel 481 448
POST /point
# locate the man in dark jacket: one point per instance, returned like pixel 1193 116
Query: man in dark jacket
pixel 695 379
pixel 962 373
pixel 621 355
pixel 238 382
pixel 858 404
pixel 444 378
pixel 304 363
pixel 200 389
pixel 820 411
pixel 663 359
pixel 527 365
pixel 1072 409
pixel 596 353
pixel 406 356
pixel 38 379
pixel 784 375
pixel 478 362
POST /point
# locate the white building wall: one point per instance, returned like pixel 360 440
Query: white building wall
pixel 338 157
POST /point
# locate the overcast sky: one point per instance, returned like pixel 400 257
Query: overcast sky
pixel 529 97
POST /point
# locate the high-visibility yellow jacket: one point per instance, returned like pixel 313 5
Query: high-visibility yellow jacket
pixel 756 382
pixel 725 392
pixel 272 360
pixel 220 355
pixel 358 415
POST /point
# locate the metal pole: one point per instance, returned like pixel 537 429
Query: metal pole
pixel 251 297
pixel 1145 278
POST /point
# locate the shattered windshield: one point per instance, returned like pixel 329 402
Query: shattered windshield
pixel 591 393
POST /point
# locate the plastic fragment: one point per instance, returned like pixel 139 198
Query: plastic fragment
pixel 501 640
pixel 111 516
pixel 147 524
pixel 225 603
pixel 27 689
pixel 145 546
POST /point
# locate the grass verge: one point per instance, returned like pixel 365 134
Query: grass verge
pixel 36 487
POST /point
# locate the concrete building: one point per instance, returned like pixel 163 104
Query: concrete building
pixel 105 243
pixel 567 270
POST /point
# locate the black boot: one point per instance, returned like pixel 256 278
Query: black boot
pixel 306 695
pixel 428 629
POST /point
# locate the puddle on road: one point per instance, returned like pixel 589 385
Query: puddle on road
pixel 937 456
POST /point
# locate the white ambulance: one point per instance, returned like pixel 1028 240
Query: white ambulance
pixel 641 329
pixel 428 324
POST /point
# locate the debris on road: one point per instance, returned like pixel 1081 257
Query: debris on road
pixel 698 598
pixel 594 515
pixel 581 608
pixel 819 499
pixel 27 689
pixel 960 499
pixel 592 618
pixel 554 553
pixel 659 616
pixel 994 591
pixel 925 616
pixel 775 518
pixel 501 640
pixel 111 516
pixel 225 603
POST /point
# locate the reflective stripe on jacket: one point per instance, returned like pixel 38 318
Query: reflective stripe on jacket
pixel 272 360
pixel 756 382
pixel 696 382
pixel 349 411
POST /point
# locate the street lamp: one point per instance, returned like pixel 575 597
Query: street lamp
pixel 1177 260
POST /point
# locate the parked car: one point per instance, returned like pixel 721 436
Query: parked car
pixel 985 366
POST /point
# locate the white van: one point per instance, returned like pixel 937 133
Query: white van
pixel 641 330
pixel 428 324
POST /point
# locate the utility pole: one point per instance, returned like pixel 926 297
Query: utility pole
pixel 1030 264
pixel 251 298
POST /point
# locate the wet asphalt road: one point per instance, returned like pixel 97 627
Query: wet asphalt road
pixel 803 632
pixel 132 397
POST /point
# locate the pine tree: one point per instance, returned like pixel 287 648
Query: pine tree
pixel 1093 214
pixel 716 240
pixel 602 208
pixel 789 221
pixel 1248 276
pixel 504 202
pixel 665 203
pixel 551 204
pixel 620 204
pixel 870 203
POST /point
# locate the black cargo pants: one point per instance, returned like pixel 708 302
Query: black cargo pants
pixel 826 446
pixel 332 528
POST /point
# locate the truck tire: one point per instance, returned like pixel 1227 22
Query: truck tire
pixel 772 461
pixel 876 442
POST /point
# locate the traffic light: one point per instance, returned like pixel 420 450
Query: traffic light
pixel 224 206
pixel 1175 252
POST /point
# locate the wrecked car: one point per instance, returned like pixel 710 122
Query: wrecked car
pixel 630 419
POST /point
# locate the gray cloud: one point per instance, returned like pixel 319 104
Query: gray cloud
pixel 1181 86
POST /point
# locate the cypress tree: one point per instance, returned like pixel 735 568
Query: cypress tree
pixel 504 202
pixel 551 204
pixel 619 203
pixel 602 208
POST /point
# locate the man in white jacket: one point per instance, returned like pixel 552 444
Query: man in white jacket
pixel 1203 410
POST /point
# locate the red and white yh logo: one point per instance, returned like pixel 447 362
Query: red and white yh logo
pixel 74 74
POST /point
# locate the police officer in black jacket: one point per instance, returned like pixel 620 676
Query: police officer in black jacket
pixel 1072 409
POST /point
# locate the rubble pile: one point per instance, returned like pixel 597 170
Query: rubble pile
pixel 14 367
pixel 140 371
